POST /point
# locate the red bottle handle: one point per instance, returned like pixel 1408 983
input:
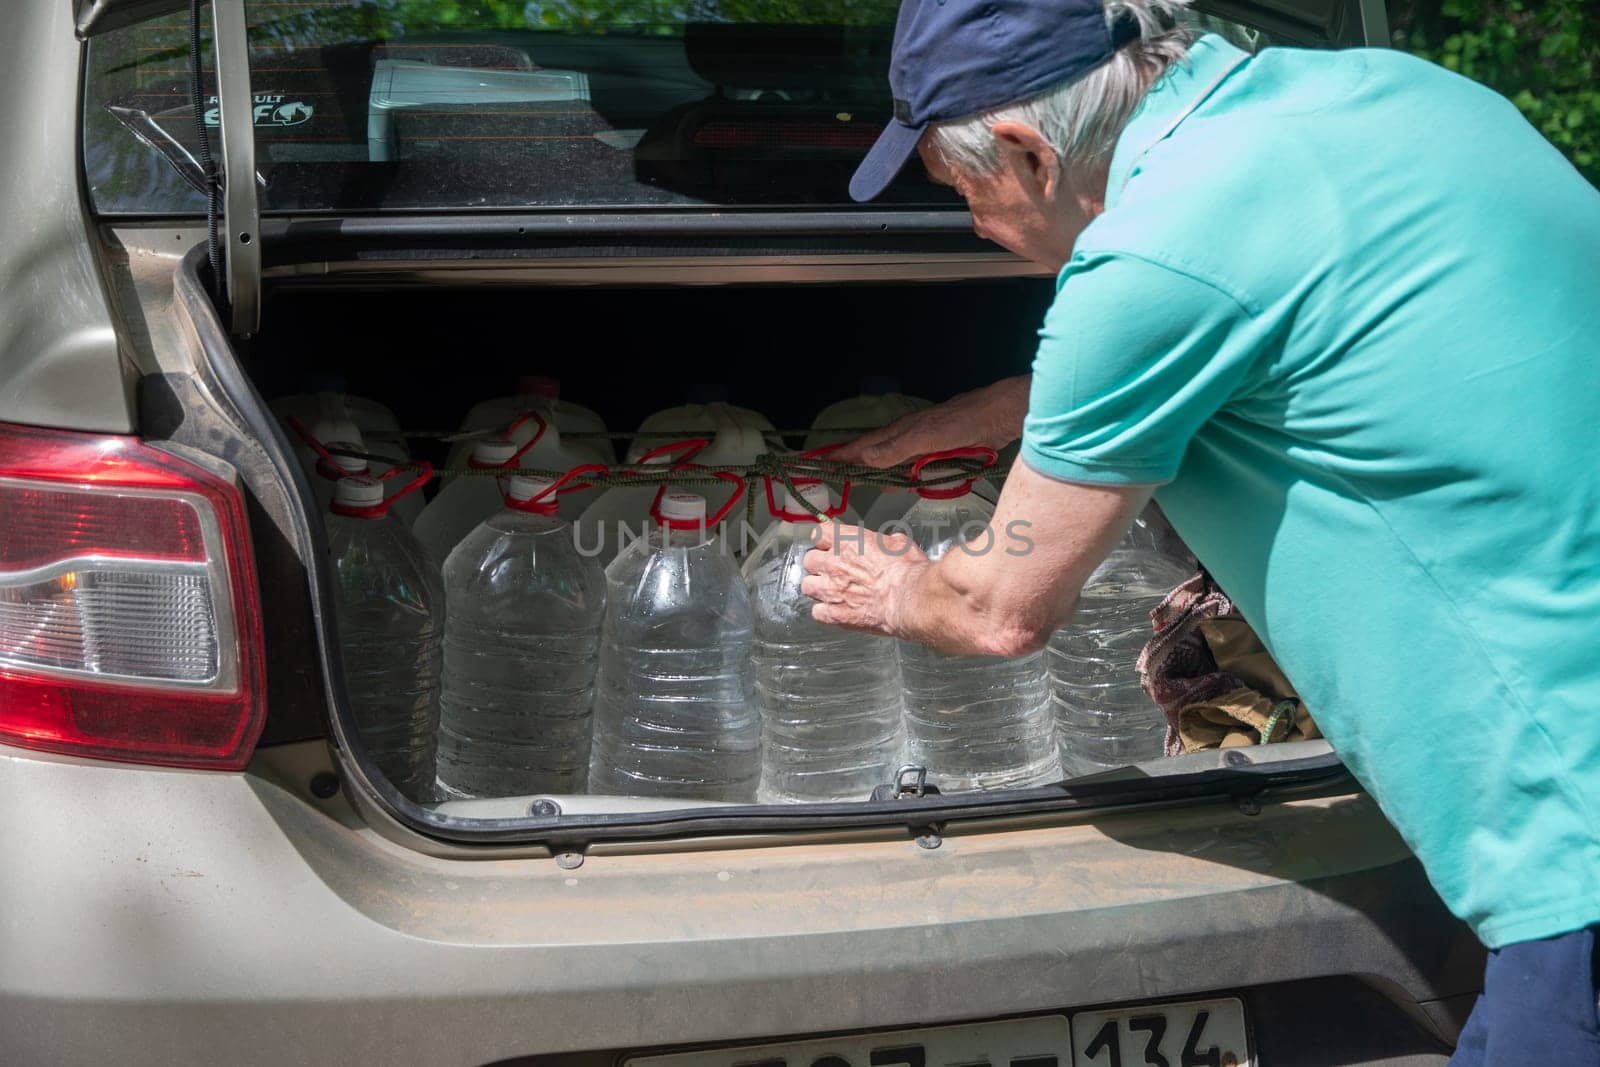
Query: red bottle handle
pixel 710 520
pixel 690 447
pixel 544 501
pixel 511 431
pixel 424 471
pixel 950 492
pixel 831 512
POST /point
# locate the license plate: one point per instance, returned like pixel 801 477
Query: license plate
pixel 1202 1033
pixel 1208 1033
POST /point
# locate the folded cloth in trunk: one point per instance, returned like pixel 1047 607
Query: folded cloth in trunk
pixel 1212 678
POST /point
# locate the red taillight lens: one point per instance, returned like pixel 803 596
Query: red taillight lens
pixel 130 625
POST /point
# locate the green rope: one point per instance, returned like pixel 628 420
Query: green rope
pixel 1279 710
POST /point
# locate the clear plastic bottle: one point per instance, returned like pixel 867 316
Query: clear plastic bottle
pixel 326 473
pixel 541 394
pixel 340 436
pixel 462 505
pixel 368 417
pixel 390 609
pixel 1104 718
pixel 695 420
pixel 890 504
pixel 621 514
pixel 832 715
pixel 521 644
pixel 673 710
pixel 879 403
pixel 975 722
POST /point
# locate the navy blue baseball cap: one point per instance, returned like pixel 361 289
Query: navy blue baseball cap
pixel 955 58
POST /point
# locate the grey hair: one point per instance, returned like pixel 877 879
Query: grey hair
pixel 1084 117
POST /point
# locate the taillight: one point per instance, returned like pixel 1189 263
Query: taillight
pixel 130 625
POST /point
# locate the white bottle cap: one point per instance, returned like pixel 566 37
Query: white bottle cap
pixel 348 464
pixel 493 453
pixel 816 494
pixel 521 488
pixel 683 507
pixel 358 492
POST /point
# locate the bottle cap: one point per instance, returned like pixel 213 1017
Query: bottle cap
pixel 948 491
pixel 347 464
pixel 358 491
pixel 492 453
pixel 522 488
pixel 678 506
pixel 816 494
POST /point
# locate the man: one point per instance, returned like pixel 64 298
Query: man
pixel 1340 313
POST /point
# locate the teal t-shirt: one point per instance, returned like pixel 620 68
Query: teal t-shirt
pixel 1346 315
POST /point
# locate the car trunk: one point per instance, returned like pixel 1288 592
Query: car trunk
pixel 786 351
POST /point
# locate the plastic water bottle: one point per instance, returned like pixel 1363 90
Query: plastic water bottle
pixel 390 609
pixel 695 420
pixel 338 432
pixel 541 394
pixel 673 709
pixel 521 644
pixel 620 516
pixel 462 505
pixel 1104 718
pixel 879 403
pixel 368 417
pixel 327 473
pixel 975 722
pixel 832 717
pixel 890 504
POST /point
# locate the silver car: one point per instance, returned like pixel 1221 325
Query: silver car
pixel 420 199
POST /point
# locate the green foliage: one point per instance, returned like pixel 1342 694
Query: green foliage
pixel 1542 55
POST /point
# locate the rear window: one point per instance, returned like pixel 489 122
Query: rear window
pixel 379 105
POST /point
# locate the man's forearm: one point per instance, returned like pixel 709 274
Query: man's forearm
pixel 939 608
pixel 1007 409
pixel 1008 596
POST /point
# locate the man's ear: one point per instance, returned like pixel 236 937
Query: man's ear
pixel 1025 152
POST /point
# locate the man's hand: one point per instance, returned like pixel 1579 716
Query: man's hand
pixel 1003 595
pixel 989 416
pixel 859 578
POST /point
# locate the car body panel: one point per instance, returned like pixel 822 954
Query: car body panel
pixel 59 359
pixel 189 912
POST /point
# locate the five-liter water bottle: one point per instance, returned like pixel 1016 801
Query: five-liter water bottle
pixel 460 506
pixel 543 395
pixel 879 403
pixel 621 515
pixel 695 419
pixel 975 722
pixel 1104 718
pixel 673 712
pixel 832 718
pixel 390 610
pixel 521 644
